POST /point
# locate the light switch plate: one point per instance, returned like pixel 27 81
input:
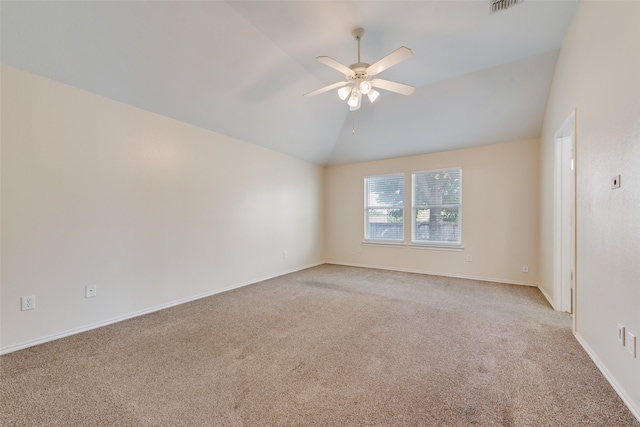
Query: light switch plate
pixel 631 344
pixel 621 334
pixel 91 291
pixel 615 182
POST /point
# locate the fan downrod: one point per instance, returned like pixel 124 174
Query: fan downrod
pixel 359 67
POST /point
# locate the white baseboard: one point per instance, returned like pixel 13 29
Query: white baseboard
pixel 433 273
pixel 633 407
pixel 53 337
pixel 549 299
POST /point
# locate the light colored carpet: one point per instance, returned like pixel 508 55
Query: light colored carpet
pixel 327 346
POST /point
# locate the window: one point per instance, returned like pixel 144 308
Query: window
pixel 437 207
pixel 384 207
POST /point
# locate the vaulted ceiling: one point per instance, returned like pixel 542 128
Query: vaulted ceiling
pixel 240 68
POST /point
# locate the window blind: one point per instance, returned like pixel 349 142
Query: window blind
pixel 437 207
pixel 384 207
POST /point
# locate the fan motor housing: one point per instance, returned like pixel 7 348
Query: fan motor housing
pixel 359 70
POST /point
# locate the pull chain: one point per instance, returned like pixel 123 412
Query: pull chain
pixel 353 129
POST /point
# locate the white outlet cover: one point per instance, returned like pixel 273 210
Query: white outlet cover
pixel 28 302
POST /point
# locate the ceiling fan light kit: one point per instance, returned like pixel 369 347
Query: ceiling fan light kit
pixel 359 76
pixel 354 100
pixel 344 92
pixel 365 87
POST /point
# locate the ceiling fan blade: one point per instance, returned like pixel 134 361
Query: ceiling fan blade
pixel 393 86
pixel 326 88
pixel 395 57
pixel 335 65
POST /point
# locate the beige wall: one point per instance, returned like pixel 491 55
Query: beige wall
pixel 598 74
pixel 152 210
pixel 499 214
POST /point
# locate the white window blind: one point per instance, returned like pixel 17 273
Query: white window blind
pixel 384 207
pixel 437 207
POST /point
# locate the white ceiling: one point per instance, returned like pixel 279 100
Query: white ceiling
pixel 240 68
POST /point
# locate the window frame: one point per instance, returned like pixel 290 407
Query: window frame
pixel 367 207
pixel 415 208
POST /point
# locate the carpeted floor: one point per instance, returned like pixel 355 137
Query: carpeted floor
pixel 327 346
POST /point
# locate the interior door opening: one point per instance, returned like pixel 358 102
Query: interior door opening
pixel 565 224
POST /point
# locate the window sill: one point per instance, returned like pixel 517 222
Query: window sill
pixel 396 244
pixel 401 244
pixel 436 247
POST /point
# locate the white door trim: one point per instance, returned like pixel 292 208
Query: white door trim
pixel 564 254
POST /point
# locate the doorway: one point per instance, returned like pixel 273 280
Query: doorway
pixel 565 224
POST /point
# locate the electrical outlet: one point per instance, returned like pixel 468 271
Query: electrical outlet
pixel 469 258
pixel 525 268
pixel 631 344
pixel 91 291
pixel 28 302
pixel 284 254
pixel 621 334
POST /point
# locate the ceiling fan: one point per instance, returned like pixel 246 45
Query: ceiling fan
pixel 359 76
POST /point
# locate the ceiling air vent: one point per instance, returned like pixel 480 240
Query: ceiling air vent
pixel 498 5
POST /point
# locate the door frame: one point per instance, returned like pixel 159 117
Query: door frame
pixel 565 239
